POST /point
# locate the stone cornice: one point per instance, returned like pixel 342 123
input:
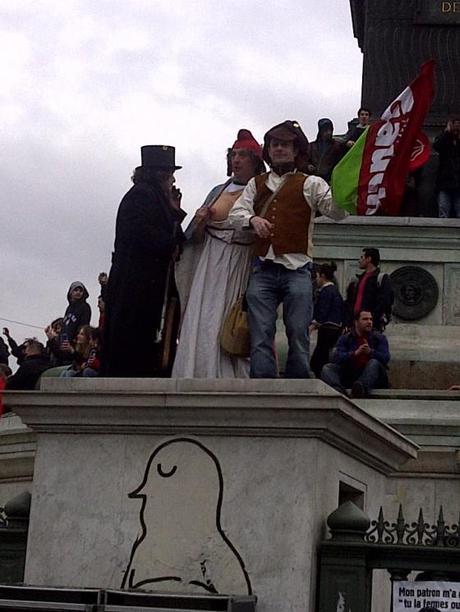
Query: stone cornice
pixel 420 239
pixel 261 408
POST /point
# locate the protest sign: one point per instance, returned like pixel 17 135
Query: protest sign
pixel 426 596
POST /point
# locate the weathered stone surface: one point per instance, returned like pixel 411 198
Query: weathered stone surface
pixel 286 408
pixel 425 351
pixel 452 294
pixel 396 38
pixel 440 374
pixel 17 452
pixel 432 420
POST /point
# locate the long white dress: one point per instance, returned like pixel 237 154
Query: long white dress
pixel 220 277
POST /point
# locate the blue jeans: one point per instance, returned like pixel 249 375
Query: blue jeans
pixel 270 285
pixel 449 204
pixel 373 376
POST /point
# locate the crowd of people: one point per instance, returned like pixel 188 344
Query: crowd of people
pixel 168 296
pixel 73 346
pixel 250 243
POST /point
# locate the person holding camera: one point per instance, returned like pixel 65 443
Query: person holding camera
pixel 77 314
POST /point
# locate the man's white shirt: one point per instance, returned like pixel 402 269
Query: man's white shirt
pixel 317 194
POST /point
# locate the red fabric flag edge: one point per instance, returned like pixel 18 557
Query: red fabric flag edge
pixel 389 145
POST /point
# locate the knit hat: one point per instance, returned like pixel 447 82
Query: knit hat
pixel 245 140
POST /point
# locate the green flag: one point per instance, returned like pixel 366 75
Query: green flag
pixel 345 176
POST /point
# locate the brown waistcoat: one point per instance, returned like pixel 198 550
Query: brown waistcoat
pixel 289 213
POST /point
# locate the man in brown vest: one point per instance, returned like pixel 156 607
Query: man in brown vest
pixel 280 207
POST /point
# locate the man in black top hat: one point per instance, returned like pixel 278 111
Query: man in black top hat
pixel 141 281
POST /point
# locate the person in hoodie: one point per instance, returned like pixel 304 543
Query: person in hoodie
pixel 325 152
pixel 77 313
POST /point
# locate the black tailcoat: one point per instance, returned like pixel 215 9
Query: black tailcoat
pixel 147 235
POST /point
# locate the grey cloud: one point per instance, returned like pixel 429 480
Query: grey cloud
pixel 98 80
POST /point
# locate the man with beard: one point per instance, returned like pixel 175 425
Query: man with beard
pixel 141 281
pixel 280 206
pixel 360 359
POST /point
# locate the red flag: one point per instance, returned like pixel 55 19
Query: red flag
pixel 420 152
pixel 389 147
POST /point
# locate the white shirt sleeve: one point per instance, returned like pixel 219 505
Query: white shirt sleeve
pixel 318 194
pixel 243 209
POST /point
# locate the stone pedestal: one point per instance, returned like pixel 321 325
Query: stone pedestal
pixel 195 485
pixel 423 256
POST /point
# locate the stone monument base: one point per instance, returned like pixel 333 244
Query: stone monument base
pixel 197 486
pixel 423 257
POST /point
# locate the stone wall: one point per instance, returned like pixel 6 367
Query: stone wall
pixel 195 486
pixel 425 254
pixel 396 38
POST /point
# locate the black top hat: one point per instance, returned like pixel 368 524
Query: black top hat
pixel 159 156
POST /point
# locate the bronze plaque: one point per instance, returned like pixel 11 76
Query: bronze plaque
pixel 416 292
pixel 438 12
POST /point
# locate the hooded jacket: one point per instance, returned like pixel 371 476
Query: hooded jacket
pixel 324 155
pixel 77 313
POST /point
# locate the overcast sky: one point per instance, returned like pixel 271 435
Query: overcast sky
pixel 86 83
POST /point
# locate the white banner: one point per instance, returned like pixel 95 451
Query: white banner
pixel 426 596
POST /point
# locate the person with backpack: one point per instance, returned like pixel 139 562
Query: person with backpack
pixel 372 291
